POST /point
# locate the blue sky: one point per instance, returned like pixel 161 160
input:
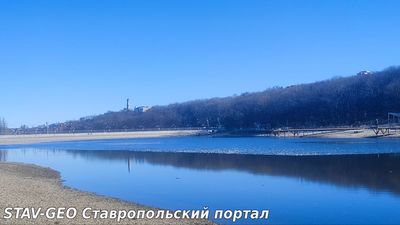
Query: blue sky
pixel 60 60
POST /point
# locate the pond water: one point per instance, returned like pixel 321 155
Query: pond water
pixel 301 181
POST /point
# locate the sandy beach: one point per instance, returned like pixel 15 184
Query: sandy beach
pixel 356 133
pixel 353 133
pixel 39 138
pixel 23 185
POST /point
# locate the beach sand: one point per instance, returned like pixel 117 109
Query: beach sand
pixel 39 138
pixel 356 133
pixel 23 185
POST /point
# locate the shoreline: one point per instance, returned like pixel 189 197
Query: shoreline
pixel 42 138
pixel 356 133
pixel 27 185
pixel 340 134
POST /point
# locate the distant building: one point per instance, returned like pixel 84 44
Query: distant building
pixel 128 107
pixel 364 73
pixel 142 108
pixel 85 118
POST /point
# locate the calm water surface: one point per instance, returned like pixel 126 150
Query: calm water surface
pixel 301 181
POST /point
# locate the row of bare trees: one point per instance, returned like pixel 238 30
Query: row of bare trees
pixel 347 101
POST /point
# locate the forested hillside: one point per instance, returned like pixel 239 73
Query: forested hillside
pixel 353 100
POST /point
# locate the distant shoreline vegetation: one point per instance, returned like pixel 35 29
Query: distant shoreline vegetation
pixel 3 126
pixel 357 100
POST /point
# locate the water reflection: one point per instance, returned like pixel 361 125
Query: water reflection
pixel 3 156
pixel 377 172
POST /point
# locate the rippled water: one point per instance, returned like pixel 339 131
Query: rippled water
pixel 318 181
pixel 242 145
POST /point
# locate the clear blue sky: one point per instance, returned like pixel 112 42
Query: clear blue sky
pixel 60 60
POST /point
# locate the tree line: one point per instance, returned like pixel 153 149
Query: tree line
pixel 340 101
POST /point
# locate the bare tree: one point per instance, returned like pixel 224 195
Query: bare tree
pixel 3 126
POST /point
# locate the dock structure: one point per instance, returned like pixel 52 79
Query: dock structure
pixel 292 132
pixel 383 130
pixel 297 132
pixel 393 119
pixel 392 126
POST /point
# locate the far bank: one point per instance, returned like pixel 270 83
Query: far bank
pixel 41 138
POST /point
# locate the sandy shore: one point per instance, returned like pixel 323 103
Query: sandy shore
pixel 39 138
pixel 357 133
pixel 24 185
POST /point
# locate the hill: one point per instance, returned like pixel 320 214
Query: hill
pixel 354 100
